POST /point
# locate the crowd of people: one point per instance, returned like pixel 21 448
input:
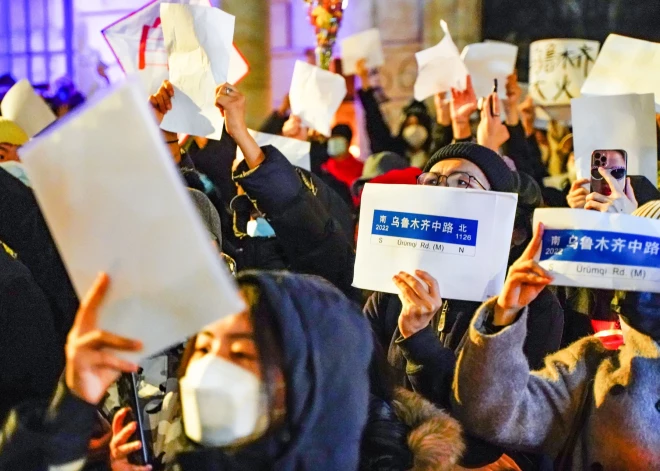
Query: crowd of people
pixel 315 374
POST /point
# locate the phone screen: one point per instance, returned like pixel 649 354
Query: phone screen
pixel 615 162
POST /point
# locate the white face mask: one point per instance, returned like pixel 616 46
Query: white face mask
pixel 16 170
pixel 415 135
pixel 337 146
pixel 222 403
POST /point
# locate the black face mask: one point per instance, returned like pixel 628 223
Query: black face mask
pixel 641 311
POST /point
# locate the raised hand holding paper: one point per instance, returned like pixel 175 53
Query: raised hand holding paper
pixel 28 110
pixel 296 151
pixel 461 237
pixel 625 65
pixel 199 42
pixel 487 61
pixel 590 249
pixel 440 68
pixel 316 95
pixel 118 206
pixel 558 68
pixel 366 45
pixel 625 122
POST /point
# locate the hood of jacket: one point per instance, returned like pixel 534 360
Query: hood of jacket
pixel 326 350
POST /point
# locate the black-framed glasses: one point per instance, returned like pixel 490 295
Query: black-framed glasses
pixel 454 180
pixel 617 173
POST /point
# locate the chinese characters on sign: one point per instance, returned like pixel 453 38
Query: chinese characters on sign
pixel 558 68
pixel 425 232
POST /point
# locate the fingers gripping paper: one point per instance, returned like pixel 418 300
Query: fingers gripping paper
pixel 440 68
pixel 488 61
pixel 590 249
pixel 198 42
pixel 316 95
pixel 624 122
pixel 296 151
pixel 27 109
pixel 118 205
pixel 461 237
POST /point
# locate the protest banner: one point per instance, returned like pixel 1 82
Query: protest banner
pixel 315 96
pixel 461 237
pixel 558 68
pixel 138 44
pixel 29 111
pixel 440 68
pixel 625 66
pixel 590 249
pixel 107 199
pixel 198 40
pixel 487 61
pixel 625 122
pixel 366 45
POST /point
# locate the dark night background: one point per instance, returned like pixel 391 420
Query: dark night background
pixel 524 21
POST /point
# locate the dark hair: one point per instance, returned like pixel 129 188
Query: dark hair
pixel 267 339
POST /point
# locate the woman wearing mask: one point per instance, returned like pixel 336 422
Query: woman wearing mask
pixel 414 139
pixel 591 408
pixel 280 386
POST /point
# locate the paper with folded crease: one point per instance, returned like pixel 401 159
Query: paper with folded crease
pixel 114 202
pixel 316 95
pixel 198 40
pixel 440 68
pixel 28 110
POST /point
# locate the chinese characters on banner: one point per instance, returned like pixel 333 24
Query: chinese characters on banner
pixel 461 237
pixel 599 250
pixel 558 68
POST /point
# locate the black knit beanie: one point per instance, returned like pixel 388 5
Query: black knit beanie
pixel 499 176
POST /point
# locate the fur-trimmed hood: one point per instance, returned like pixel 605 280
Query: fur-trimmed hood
pixel 435 438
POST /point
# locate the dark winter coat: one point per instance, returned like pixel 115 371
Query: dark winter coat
pixel 425 361
pixel 31 358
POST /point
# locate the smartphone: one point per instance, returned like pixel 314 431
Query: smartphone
pixel 492 102
pixel 128 388
pixel 615 162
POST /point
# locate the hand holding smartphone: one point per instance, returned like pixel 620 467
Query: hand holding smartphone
pixel 613 161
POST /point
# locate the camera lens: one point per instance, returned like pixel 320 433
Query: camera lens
pixel 597 156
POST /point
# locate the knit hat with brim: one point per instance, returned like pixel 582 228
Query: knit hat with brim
pixel 11 133
pixel 489 162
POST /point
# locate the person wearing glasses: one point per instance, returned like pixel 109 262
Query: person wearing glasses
pixel 424 333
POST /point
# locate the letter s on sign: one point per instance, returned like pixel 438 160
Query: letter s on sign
pixel 551 267
pixel 380 240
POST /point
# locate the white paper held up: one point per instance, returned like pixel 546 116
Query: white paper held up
pixel 624 66
pixel 137 42
pixel 366 45
pixel 590 249
pixel 296 151
pixel 461 237
pixel 440 68
pixel 118 205
pixel 625 122
pixel 487 61
pixel 28 110
pixel 316 95
pixel 199 42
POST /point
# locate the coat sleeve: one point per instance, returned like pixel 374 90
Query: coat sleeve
pixel 36 435
pixel 545 327
pixel 314 242
pixel 496 397
pixel 378 131
pixel 442 136
pixel 517 148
